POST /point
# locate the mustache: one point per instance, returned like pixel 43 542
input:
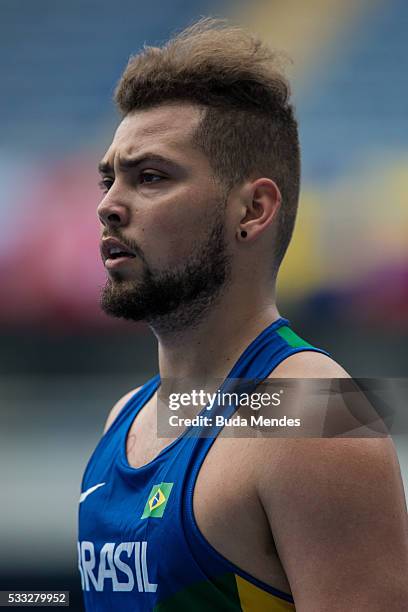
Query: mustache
pixel 127 243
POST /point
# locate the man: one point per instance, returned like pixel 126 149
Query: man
pixel 201 187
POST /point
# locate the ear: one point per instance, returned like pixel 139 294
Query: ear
pixel 261 202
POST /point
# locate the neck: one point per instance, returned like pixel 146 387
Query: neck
pixel 210 348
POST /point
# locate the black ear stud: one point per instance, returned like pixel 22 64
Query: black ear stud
pixel 243 234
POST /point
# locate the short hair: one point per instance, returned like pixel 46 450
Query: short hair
pixel 248 126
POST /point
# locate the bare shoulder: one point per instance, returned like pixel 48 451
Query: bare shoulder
pixel 309 364
pixel 118 407
pixel 335 494
pixel 312 394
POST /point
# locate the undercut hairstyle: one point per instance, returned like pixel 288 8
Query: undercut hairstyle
pixel 248 126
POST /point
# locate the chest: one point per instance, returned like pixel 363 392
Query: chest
pixel 226 506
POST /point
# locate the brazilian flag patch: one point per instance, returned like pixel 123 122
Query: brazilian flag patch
pixel 157 500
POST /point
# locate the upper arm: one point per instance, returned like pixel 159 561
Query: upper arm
pixel 337 512
pixel 118 407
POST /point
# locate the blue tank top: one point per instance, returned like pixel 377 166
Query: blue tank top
pixel 139 545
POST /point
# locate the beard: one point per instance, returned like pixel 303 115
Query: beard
pixel 174 299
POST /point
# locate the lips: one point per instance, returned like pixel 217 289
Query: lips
pixel 113 249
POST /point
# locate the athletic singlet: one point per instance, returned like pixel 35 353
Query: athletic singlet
pixel 139 545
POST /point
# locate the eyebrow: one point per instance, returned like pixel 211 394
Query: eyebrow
pixel 126 163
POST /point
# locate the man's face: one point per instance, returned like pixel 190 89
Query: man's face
pixel 163 204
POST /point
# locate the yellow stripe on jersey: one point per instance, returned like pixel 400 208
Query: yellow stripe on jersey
pixel 254 599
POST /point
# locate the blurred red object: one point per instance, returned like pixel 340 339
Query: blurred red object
pixel 51 271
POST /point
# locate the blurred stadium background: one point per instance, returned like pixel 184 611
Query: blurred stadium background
pixel 344 283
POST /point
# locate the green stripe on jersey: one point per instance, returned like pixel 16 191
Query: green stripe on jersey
pixel 220 593
pixel 291 338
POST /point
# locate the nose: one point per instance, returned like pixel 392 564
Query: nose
pixel 112 214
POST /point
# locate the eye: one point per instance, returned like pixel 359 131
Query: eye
pixel 145 178
pixel 105 184
pixel 149 176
